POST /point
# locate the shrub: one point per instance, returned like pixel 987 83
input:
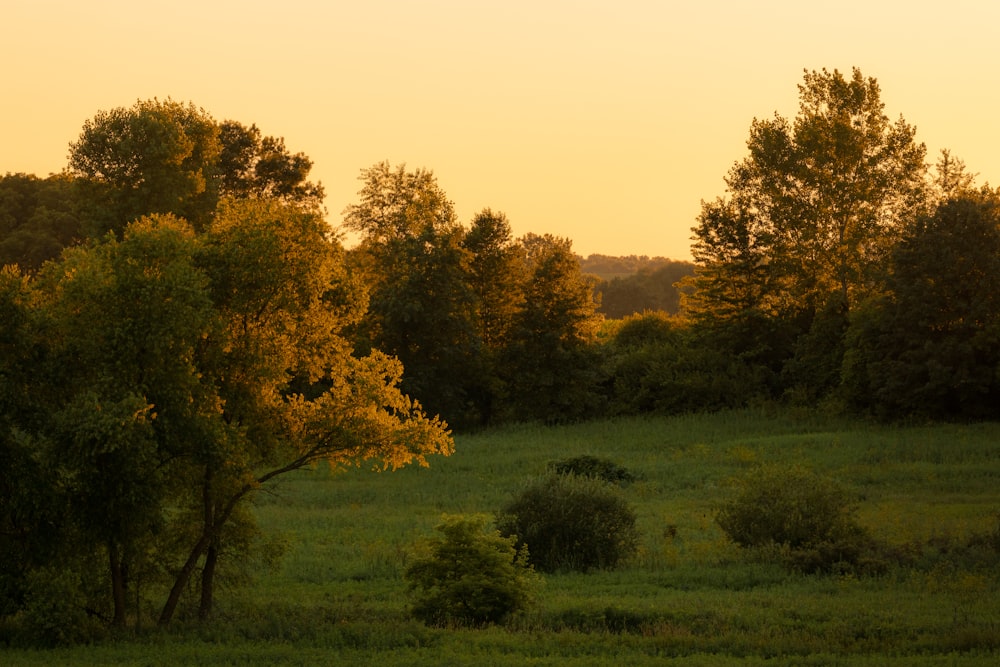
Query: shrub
pixel 55 610
pixel 592 466
pixel 992 538
pixel 570 522
pixel 471 576
pixel 809 518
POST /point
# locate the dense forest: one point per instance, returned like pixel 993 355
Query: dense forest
pixel 181 323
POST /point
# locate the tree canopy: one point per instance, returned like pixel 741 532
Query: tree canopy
pixel 814 209
pixel 167 157
pixel 931 344
pixel 176 374
pixel 38 218
pixel 806 227
pixel 458 305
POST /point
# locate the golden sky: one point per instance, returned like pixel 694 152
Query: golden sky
pixel 603 121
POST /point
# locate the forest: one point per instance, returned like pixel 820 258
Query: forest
pixel 182 324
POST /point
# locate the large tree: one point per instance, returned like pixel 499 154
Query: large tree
pixel 155 157
pixel 416 268
pixel 181 373
pixel 931 345
pixel 548 362
pixel 496 276
pixel 812 212
pixel 167 157
pixel 807 224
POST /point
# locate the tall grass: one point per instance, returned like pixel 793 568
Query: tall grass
pixel 339 594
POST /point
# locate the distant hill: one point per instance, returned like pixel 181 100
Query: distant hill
pixel 635 283
pixel 607 267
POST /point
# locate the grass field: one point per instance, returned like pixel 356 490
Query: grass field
pixel 338 596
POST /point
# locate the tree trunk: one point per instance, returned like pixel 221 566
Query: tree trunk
pixel 183 577
pixel 210 533
pixel 203 545
pixel 208 580
pixel 117 586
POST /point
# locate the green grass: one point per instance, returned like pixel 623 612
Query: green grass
pixel 339 595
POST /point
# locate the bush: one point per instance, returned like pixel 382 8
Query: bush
pixel 570 522
pixel 805 518
pixel 992 538
pixel 55 611
pixel 471 576
pixel 592 466
pixel 683 375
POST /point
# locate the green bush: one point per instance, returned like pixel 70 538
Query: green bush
pixel 570 522
pixel 806 519
pixel 592 466
pixel 470 576
pixel 55 610
pixel 682 375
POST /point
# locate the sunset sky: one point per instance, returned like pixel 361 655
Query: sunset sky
pixel 603 121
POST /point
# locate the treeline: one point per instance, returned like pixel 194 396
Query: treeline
pixel 797 291
pixel 840 267
pixel 607 267
pixel 183 325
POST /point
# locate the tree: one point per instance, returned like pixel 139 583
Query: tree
pixel 396 204
pixel 251 165
pixel 657 363
pixel 638 352
pixel 820 200
pixel 812 212
pixel 155 157
pixel 950 177
pixel 734 296
pixel 421 306
pixel 496 278
pixel 167 157
pixel 290 392
pixel 38 218
pixel 548 364
pixel 931 345
pixel 180 373
pixel 123 322
pixel 28 515
pixel 495 274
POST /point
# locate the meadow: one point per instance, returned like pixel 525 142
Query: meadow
pixel 338 594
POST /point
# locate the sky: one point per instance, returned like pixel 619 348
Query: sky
pixel 607 122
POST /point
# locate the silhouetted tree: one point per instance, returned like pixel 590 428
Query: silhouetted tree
pixel 550 362
pixel 805 231
pixel 931 345
pixel 415 266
